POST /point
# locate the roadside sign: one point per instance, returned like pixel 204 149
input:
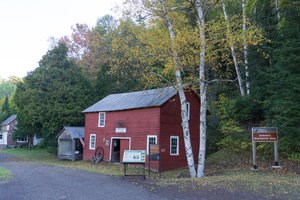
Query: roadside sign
pixel 134 156
pixel 265 134
pixel 154 155
pixel 154 152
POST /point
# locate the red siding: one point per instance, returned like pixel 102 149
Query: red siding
pixel 164 121
pixel 138 123
pixel 171 126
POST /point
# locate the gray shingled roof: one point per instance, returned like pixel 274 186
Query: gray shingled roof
pixel 75 132
pixel 9 120
pixel 133 100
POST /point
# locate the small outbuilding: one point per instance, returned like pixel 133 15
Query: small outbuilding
pixel 7 130
pixel 70 143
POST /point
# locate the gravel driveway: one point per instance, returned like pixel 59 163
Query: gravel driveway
pixel 34 181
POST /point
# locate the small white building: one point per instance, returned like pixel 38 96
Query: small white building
pixel 70 143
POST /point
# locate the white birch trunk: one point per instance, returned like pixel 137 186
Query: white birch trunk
pixel 203 101
pixel 237 69
pixel 277 4
pixel 185 122
pixel 245 49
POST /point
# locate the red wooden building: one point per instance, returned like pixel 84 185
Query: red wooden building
pixel 132 121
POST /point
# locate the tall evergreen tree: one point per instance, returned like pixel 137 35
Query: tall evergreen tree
pixel 282 104
pixel 53 95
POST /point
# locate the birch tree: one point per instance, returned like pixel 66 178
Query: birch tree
pixel 180 88
pixel 233 53
pixel 277 5
pixel 200 10
pixel 245 48
pixel 160 9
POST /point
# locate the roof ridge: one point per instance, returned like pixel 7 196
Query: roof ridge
pixel 133 100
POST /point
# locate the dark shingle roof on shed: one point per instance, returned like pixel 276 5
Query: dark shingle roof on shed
pixel 133 100
pixel 9 120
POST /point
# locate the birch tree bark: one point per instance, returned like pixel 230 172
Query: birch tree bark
pixel 199 6
pixel 245 49
pixel 180 88
pixel 277 4
pixel 237 69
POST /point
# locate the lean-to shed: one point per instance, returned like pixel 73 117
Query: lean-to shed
pixel 70 143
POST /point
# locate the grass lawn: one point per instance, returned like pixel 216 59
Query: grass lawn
pixel 42 155
pixel 4 174
pixel 269 183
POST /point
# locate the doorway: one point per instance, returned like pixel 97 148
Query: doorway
pixel 117 147
pixel 116 150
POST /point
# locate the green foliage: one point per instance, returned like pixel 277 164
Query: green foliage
pixel 282 103
pixel 236 143
pixel 5 110
pixel 225 158
pixel 52 96
pixel 234 113
pixel 7 88
pixel 294 157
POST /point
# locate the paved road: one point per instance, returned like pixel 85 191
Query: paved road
pixel 34 181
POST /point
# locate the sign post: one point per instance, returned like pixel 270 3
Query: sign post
pixel 134 157
pixel 154 155
pixel 265 134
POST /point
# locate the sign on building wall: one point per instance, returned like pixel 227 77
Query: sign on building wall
pixel 120 130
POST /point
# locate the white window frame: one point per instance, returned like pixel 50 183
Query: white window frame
pixel 99 119
pixel 177 147
pixel 188 110
pixel 90 143
pixel 148 139
pixel 25 139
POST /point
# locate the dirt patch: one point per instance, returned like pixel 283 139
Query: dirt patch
pixel 188 190
pixel 229 182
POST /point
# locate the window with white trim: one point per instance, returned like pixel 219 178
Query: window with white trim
pixel 174 145
pixel 151 139
pixel 23 139
pixel 188 106
pixel 92 144
pixel 101 120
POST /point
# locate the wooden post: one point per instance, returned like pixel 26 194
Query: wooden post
pixel 254 155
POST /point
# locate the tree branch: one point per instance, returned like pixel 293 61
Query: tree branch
pixel 223 80
pixel 210 7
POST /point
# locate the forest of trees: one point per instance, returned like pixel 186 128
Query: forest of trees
pixel 7 90
pixel 242 57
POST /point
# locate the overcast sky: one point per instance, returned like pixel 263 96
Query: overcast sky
pixel 27 25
